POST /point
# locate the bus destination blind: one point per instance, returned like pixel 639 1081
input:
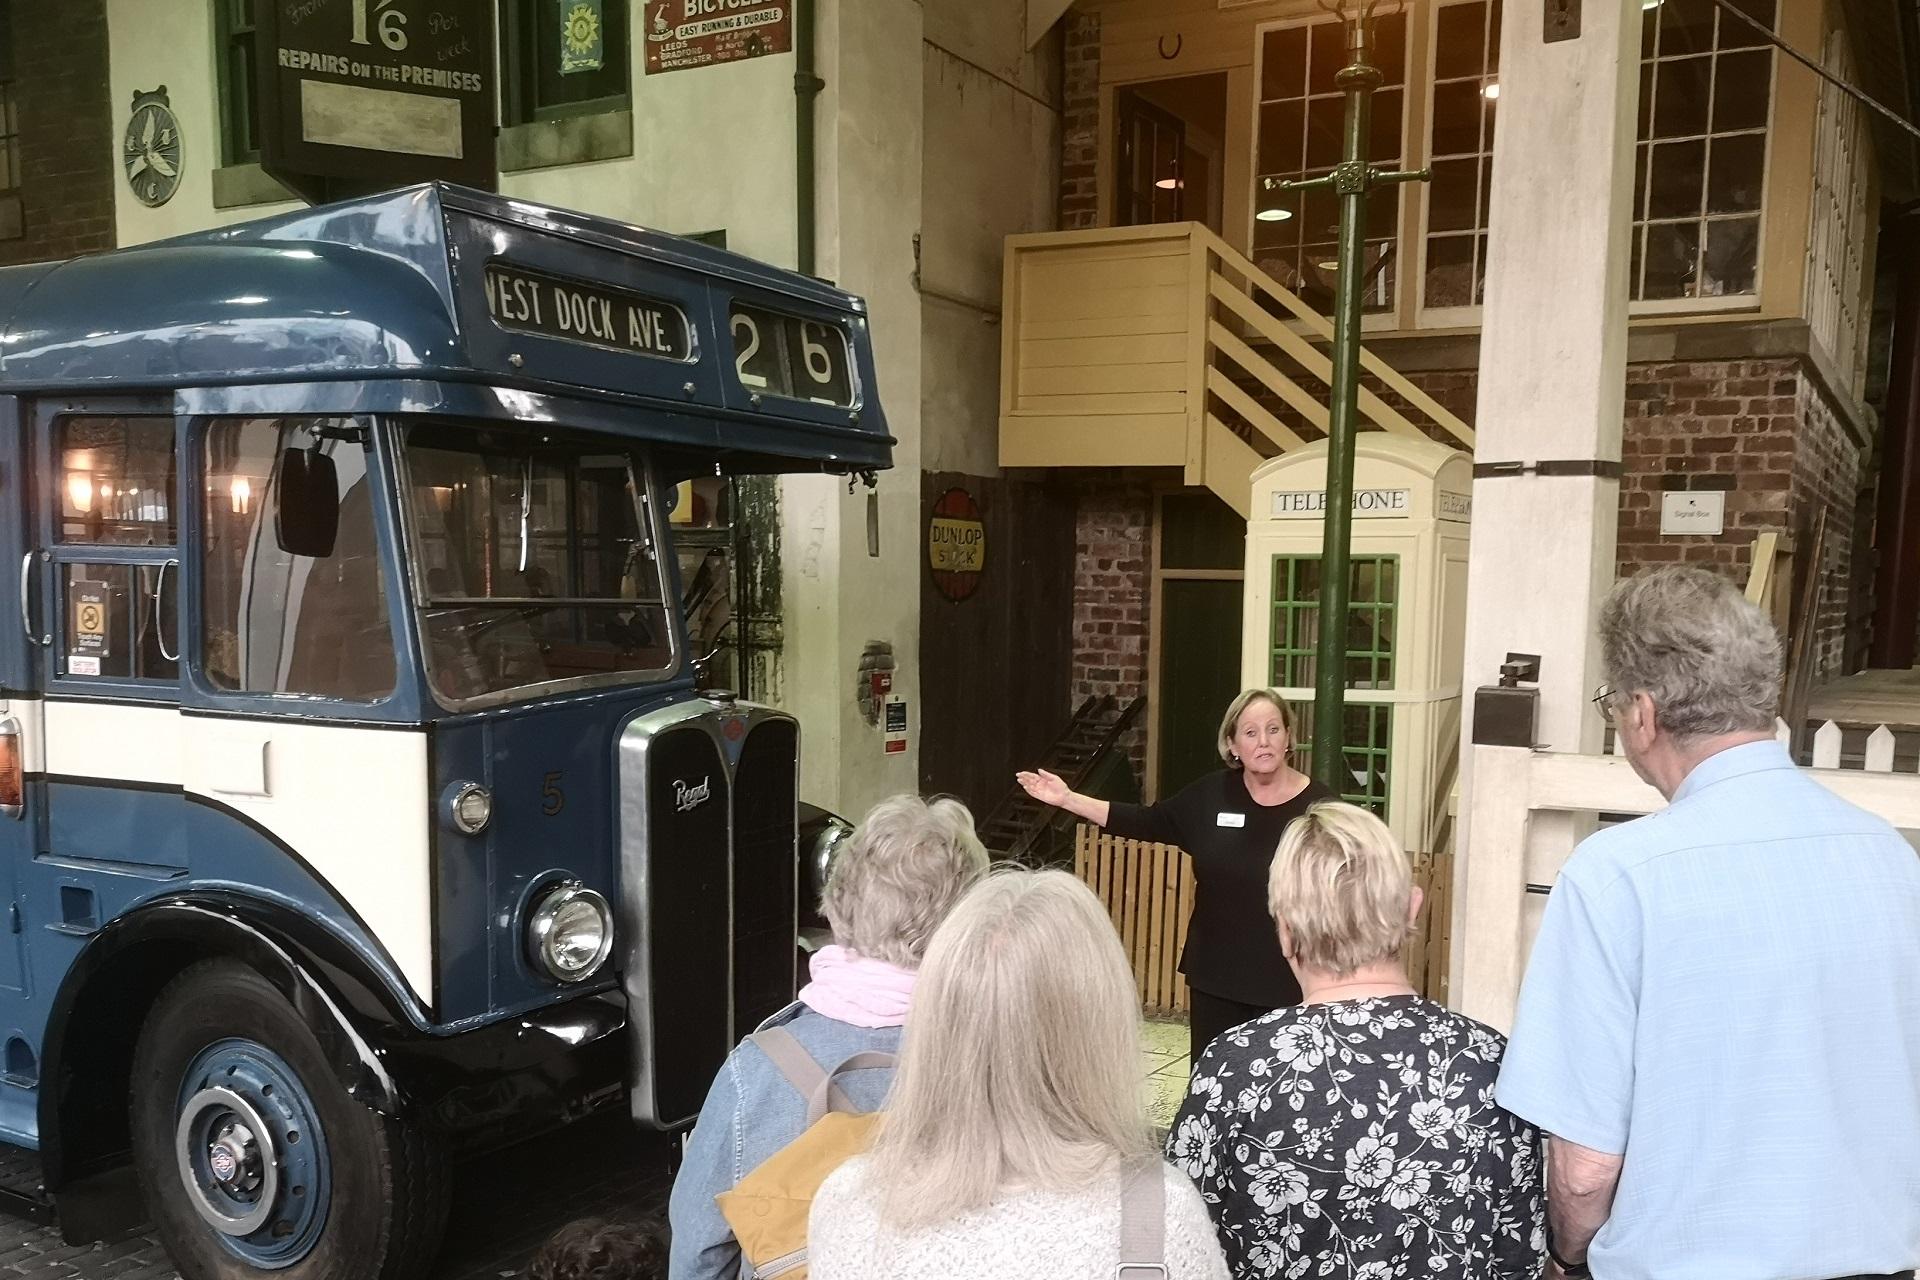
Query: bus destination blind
pixel 528 302
pixel 783 355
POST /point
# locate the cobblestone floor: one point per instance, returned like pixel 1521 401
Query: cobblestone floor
pixel 503 1207
pixel 506 1204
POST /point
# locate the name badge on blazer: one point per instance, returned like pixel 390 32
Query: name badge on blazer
pixel 1231 820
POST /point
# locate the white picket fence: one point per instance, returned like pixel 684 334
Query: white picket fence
pixel 1523 811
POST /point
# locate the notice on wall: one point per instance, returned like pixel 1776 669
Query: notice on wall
pixel 956 544
pixel 682 34
pixel 1696 512
pixel 896 725
pixel 87 630
pixel 364 95
pixel 1311 504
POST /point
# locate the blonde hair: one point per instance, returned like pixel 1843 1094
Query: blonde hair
pixel 1021 1062
pixel 1342 887
pixel 1230 723
pixel 906 865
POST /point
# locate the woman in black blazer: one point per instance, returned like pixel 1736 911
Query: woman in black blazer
pixel 1230 823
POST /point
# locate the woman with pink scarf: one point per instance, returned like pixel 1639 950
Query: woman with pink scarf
pixel 890 887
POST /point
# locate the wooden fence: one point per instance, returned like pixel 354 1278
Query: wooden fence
pixel 1148 890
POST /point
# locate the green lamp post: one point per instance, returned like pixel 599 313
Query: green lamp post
pixel 1351 180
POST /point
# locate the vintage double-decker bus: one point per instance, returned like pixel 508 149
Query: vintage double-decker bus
pixel 361 804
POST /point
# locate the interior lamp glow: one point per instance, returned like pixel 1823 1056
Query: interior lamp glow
pixel 80 490
pixel 1492 91
pixel 1273 215
pixel 241 494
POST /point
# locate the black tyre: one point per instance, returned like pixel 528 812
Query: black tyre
pixel 254 1161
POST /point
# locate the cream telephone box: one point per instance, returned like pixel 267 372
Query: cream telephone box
pixel 1412 499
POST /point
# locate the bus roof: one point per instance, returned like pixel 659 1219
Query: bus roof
pixel 443 299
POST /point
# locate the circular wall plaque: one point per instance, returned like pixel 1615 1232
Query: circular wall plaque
pixel 956 544
pixel 150 151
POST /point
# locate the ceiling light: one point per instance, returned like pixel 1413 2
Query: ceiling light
pixel 1329 265
pixel 1492 89
pixel 1273 215
pixel 1647 6
pixel 1168 184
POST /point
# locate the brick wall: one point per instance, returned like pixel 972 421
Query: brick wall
pixel 1112 573
pixel 1079 121
pixel 66 129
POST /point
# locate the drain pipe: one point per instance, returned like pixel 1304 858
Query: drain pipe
pixel 806 92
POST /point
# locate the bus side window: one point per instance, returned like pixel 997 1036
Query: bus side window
pixel 116 480
pixel 277 622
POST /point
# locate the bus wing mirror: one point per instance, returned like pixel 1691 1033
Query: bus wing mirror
pixel 308 518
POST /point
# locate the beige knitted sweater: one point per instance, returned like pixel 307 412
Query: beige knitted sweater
pixel 1028 1235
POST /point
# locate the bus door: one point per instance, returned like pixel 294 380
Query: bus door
pixel 19 650
pixel 107 577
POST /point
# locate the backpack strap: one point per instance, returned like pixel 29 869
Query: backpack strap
pixel 801 1071
pixel 826 1095
pixel 1143 1222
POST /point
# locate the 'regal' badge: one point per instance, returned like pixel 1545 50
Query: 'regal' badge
pixel 1231 820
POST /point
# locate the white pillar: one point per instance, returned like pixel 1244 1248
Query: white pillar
pixel 836 598
pixel 1552 383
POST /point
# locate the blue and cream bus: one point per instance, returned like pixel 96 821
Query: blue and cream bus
pixel 361 807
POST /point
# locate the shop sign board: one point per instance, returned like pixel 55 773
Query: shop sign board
pixel 682 34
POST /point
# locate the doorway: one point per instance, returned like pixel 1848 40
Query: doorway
pixel 1169 151
pixel 1199 557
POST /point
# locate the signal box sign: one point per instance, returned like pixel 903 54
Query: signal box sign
pixel 364 95
pixel 700 33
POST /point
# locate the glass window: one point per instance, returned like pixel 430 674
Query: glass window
pixel 1367 732
pixel 116 481
pixel 1706 86
pixel 1466 90
pixel 277 622
pixel 239 126
pixel 119 621
pixel 1301 130
pixel 562 57
pixel 535 561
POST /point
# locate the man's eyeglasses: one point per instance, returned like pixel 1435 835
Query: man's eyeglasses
pixel 1603 701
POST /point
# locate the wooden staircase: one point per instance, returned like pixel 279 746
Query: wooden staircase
pixel 1015 826
pixel 1163 346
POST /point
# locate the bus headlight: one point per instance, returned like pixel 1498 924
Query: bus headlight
pixel 827 842
pixel 570 933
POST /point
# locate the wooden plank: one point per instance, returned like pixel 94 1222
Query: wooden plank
pixel 1093 440
pixel 1880 750
pixel 1253 411
pixel 1123 299
pixel 1077 380
pixel 1275 381
pixel 1196 355
pixel 1142 890
pixel 1100 235
pixel 1826 746
pixel 1031 330
pixel 1184 1001
pixel 1142 348
pixel 1063 271
pixel 1760 569
pixel 1108 404
pixel 1156 919
pixel 1229 467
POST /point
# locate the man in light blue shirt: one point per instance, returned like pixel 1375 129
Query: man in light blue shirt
pixel 1720 1024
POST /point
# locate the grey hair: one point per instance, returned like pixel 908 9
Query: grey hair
pixel 1690 640
pixel 906 865
pixel 1020 1064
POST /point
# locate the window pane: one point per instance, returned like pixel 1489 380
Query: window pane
pixel 1389 48
pixel 1743 83
pixel 1451 206
pixel 564 53
pixel 1735 34
pixel 1680 97
pixel 1456 118
pixel 1686 28
pixel 1280 127
pixel 117 623
pixel 1480 270
pixel 277 622
pixel 1459 41
pixel 1677 171
pixel 1640 182
pixel 1383 212
pixel 1733 255
pixel 537 564
pixel 1326 132
pixel 1283 63
pixel 1734 173
pixel 1449 271
pixel 1387 125
pixel 1672 254
pixel 116 481
pixel 1327 54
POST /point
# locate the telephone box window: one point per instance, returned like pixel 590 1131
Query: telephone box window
pixel 1367 728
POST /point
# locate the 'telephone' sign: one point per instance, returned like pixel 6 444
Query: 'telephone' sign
pixel 1311 504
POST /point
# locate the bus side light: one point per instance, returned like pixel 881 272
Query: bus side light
pixel 13 783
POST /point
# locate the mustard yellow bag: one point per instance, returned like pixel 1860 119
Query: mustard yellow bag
pixel 768 1208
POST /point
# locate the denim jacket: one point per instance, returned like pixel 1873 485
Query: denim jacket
pixel 752 1112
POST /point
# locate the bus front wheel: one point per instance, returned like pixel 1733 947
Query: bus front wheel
pixel 252 1158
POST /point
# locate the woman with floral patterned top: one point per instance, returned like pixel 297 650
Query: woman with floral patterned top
pixel 1355 1135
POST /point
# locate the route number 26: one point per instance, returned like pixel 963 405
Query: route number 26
pixel 388 20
